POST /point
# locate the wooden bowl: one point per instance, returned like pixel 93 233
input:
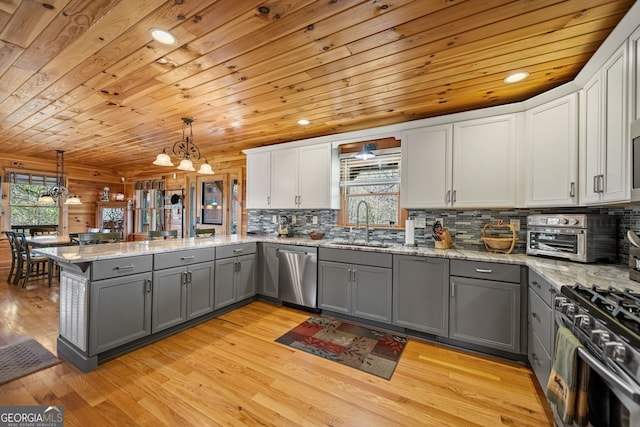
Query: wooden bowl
pixel 316 235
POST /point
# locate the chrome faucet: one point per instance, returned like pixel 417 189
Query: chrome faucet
pixel 366 212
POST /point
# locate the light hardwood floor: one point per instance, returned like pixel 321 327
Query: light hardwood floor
pixel 229 371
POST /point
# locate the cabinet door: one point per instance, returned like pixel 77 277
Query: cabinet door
pixel 371 290
pixel 269 268
pixel 485 312
pixel 615 123
pixel 314 180
pixel 200 289
pixel 552 153
pixel 259 180
pixel 590 148
pixel 484 162
pixel 284 178
pixel 225 274
pixel 245 277
pixel 421 294
pixel 169 298
pixel 334 280
pixel 120 311
pixel 426 167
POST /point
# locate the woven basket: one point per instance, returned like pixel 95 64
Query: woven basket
pixel 499 237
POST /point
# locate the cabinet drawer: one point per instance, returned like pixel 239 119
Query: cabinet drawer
pixel 117 267
pixel 542 287
pixel 486 270
pixel 235 250
pixel 349 256
pixel 540 318
pixel 539 359
pixel 178 258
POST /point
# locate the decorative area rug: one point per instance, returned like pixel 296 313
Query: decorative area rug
pixel 23 358
pixel 368 350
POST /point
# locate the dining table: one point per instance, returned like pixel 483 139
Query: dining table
pixel 49 240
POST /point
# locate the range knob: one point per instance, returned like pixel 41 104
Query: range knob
pixel 600 337
pixel 582 321
pixel 573 221
pixel 563 221
pixel 615 350
pixel 568 308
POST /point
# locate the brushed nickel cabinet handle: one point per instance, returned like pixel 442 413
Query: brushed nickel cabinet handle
pixel 448 196
pixel 454 196
pixel 595 183
pixel 572 190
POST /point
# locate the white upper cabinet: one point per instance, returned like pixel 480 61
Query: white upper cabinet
pixel 259 180
pixel 290 178
pixel 551 133
pixel 426 167
pixel 484 162
pixel 634 60
pixel 604 147
pixel 467 164
pixel 314 178
pixel 284 178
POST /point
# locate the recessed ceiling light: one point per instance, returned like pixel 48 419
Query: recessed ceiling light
pixel 163 36
pixel 303 122
pixel 516 77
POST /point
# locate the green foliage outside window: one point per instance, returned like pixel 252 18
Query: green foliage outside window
pixel 25 209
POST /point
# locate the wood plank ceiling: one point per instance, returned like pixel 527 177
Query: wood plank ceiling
pixel 84 76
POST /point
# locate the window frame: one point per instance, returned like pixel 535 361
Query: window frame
pixel 383 145
pixel 48 179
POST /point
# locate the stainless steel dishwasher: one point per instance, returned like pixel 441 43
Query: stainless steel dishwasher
pixel 298 275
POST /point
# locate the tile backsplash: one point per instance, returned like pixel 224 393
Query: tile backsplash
pixel 465 226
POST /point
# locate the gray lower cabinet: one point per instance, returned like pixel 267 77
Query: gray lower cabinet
pixel 181 294
pixel 269 269
pixel 359 290
pixel 541 326
pixel 484 306
pixel 421 293
pixel 120 311
pixel 235 274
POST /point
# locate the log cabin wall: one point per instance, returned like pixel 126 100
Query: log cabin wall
pixel 175 179
pixel 89 183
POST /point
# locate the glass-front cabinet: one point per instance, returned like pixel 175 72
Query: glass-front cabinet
pixel 114 216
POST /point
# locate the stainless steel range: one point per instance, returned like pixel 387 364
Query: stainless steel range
pixel 576 237
pixel 607 323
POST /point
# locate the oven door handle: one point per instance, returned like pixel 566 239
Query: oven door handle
pixel 629 391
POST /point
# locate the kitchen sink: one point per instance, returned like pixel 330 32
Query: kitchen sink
pixel 360 243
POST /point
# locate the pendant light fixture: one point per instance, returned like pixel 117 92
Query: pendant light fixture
pixel 60 190
pixel 367 152
pixel 186 150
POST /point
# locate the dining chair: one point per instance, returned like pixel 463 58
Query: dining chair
pixel 205 232
pixel 30 265
pixel 163 234
pixel 11 237
pixel 97 238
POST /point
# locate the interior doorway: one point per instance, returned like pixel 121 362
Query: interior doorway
pixel 217 203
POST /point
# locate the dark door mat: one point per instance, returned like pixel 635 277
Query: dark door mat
pixel 365 349
pixel 24 358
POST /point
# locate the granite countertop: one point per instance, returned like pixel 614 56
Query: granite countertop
pixel 559 273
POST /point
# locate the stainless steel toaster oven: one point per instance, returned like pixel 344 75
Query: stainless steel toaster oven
pixel 575 237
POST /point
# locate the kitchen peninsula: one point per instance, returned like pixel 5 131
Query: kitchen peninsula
pixel 116 297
